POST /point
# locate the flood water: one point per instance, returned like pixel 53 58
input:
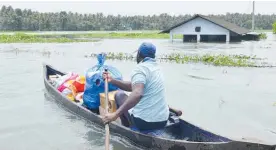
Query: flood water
pixel 234 102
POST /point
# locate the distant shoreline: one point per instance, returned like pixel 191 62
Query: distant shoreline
pixel 82 36
pixel 87 32
pixel 65 37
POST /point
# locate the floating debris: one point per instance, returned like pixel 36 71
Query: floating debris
pixel 221 102
pixel 44 52
pixel 198 77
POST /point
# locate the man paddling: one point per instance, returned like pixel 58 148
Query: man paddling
pixel 146 107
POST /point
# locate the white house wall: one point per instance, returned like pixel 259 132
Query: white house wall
pixel 207 28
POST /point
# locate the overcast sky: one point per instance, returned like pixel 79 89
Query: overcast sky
pixel 148 7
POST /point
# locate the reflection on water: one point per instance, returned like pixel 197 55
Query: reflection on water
pixel 233 102
pixel 94 134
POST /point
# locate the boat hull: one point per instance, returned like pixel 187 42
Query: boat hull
pixel 152 142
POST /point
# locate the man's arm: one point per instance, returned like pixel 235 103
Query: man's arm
pixel 130 102
pixel 124 85
pixel 132 99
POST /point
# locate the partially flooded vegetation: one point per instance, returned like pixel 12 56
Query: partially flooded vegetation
pixel 274 27
pixel 208 59
pixel 262 36
pixel 29 38
pixel 20 37
pixel 33 37
pixel 139 35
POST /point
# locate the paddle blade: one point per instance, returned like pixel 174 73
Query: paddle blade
pixel 107 136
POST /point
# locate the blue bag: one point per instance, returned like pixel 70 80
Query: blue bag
pixel 95 83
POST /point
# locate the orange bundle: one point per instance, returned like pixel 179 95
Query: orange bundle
pixel 78 84
pixel 73 87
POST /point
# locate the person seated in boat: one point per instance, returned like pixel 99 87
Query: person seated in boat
pixel 146 107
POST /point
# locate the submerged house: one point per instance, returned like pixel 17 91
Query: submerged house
pixel 201 28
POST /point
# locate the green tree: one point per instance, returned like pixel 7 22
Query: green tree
pixel 274 27
pixel 26 19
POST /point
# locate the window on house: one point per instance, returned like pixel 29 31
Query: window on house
pixel 197 29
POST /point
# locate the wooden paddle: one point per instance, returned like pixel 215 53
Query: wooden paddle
pixel 106 111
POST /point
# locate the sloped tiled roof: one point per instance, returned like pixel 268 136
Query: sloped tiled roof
pixel 227 25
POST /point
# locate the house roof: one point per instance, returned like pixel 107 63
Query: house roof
pixel 227 25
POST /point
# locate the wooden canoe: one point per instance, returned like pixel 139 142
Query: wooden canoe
pixel 180 134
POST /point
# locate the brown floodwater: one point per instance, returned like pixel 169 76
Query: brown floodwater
pixel 239 103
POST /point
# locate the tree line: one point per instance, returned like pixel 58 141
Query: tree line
pixel 27 20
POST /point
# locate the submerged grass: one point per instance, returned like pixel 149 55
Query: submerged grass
pixel 138 35
pixel 263 36
pixel 216 60
pixel 20 37
pixel 28 38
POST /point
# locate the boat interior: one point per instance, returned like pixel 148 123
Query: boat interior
pixel 176 128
